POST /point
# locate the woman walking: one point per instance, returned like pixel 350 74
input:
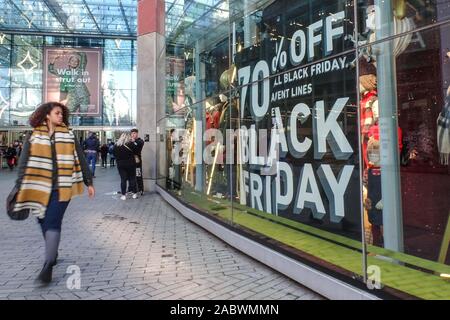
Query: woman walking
pixel 124 151
pixel 52 170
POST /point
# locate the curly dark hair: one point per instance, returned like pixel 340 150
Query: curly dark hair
pixel 39 116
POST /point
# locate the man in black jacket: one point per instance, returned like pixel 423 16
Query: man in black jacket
pixel 139 144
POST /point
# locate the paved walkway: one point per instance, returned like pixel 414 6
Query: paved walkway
pixel 134 249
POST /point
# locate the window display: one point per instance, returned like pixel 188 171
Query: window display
pixel 317 132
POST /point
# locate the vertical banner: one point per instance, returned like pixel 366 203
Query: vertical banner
pixel 72 77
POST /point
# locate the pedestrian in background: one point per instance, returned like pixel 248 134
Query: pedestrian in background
pixel 112 158
pixel 52 171
pixel 124 151
pixel 10 156
pixel 19 149
pixel 91 147
pixel 104 154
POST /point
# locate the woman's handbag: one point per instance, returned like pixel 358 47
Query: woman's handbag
pixel 10 203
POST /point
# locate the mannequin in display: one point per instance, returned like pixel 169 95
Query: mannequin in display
pixel 170 169
pixel 443 131
pixel 368 104
pixel 220 109
pixel 213 113
pixel 373 202
pixel 209 120
pixel 208 115
pixel 218 182
pixel 229 119
pixel 221 120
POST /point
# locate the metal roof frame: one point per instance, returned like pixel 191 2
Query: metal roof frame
pixel 104 18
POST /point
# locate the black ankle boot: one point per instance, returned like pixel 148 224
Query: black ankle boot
pixel 45 276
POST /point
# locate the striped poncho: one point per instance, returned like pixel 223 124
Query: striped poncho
pixel 36 187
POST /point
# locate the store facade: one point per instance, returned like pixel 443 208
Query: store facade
pixel 35 68
pixel 319 129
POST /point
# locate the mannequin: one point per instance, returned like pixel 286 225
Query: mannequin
pixel 368 104
pixel 373 203
pixel 218 109
pixel 208 115
pixel 224 118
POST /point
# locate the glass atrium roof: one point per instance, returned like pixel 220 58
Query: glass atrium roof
pixel 195 18
pixel 109 18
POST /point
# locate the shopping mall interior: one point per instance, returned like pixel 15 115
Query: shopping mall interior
pixel 311 135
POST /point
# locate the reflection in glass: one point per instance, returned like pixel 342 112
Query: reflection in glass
pixel 405 134
pixel 21 73
pixel 4 106
pixel 23 103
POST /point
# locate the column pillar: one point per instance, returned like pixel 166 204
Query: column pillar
pixel 388 122
pixel 151 84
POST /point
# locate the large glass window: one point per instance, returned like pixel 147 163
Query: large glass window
pixel 22 75
pixel 318 132
pixel 405 144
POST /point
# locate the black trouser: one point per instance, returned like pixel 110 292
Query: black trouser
pixel 104 161
pixel 111 161
pixel 139 178
pixel 127 173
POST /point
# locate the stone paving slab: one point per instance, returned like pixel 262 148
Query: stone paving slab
pixel 136 249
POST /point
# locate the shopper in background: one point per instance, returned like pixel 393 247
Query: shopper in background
pixel 91 147
pixel 10 156
pixel 124 151
pixel 19 149
pixel 104 154
pixel 112 158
